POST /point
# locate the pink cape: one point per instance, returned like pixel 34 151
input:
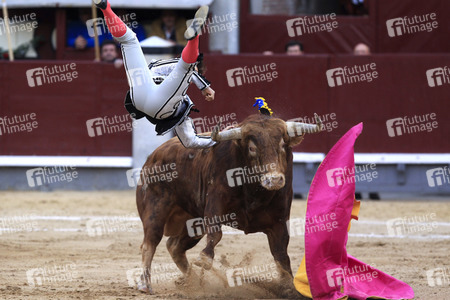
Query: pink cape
pixel 332 273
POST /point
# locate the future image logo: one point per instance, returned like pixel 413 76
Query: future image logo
pixel 18 123
pixel 113 224
pixel 311 24
pixel 438 176
pixel 411 124
pixel 409 25
pixel 438 276
pixel 337 276
pixel 253 74
pixel 247 275
pixel 296 226
pixel 35 77
pixel 159 273
pixel 53 74
pixel 47 275
pixel 207 225
pixel 351 74
pixel 195 227
pixel 49 175
pixel 329 122
pixel 410 225
pixel 358 173
pixel 138 77
pixel 98 24
pixel 109 125
pixel 247 175
pixel 157 173
pixel 18 24
pixel 438 76
pixel 207 124
pixel 103 27
pixel 15 224
pixel 216 23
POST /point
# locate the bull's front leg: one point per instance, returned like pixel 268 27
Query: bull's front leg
pixel 213 236
pixel 278 237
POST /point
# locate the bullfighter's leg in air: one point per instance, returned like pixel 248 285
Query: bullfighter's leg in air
pixel 166 100
pixel 148 96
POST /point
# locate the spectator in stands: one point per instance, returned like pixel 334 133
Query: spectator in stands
pixel 77 32
pixel 361 49
pixel 294 48
pixel 355 7
pixel 169 27
pixel 109 53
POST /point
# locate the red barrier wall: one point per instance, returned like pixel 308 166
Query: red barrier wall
pixel 62 110
pixel 300 89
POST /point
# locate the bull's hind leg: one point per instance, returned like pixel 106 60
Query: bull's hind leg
pixel 178 245
pixel 153 219
pixel 179 239
pixel 148 251
pixel 153 233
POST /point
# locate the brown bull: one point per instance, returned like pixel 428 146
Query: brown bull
pixel 244 181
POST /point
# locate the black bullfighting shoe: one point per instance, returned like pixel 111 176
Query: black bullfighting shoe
pixel 196 24
pixel 102 4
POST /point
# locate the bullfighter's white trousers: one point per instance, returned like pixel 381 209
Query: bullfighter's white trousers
pixel 156 100
pixel 159 100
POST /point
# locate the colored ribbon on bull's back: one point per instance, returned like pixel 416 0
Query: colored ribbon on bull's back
pixel 327 271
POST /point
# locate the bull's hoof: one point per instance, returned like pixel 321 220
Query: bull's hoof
pixel 180 281
pixel 145 289
pixel 187 280
pixel 291 293
pixel 204 261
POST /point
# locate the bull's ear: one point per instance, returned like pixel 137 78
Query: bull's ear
pixel 294 141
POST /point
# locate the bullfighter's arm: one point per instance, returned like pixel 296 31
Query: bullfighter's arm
pixel 200 81
pixel 204 85
pixel 188 137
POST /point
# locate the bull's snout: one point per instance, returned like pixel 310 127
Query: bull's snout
pixel 273 181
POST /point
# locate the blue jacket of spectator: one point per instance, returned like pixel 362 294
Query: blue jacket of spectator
pixel 77 28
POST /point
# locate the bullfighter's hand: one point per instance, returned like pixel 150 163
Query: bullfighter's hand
pixel 118 63
pixel 209 94
pixel 228 127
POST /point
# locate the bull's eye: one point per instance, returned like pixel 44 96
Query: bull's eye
pixel 252 148
pixel 282 144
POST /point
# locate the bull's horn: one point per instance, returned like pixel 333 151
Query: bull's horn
pixel 297 129
pixel 231 134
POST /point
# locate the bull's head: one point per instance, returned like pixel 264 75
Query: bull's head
pixel 264 143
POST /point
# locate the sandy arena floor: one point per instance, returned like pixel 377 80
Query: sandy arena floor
pixel 92 263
